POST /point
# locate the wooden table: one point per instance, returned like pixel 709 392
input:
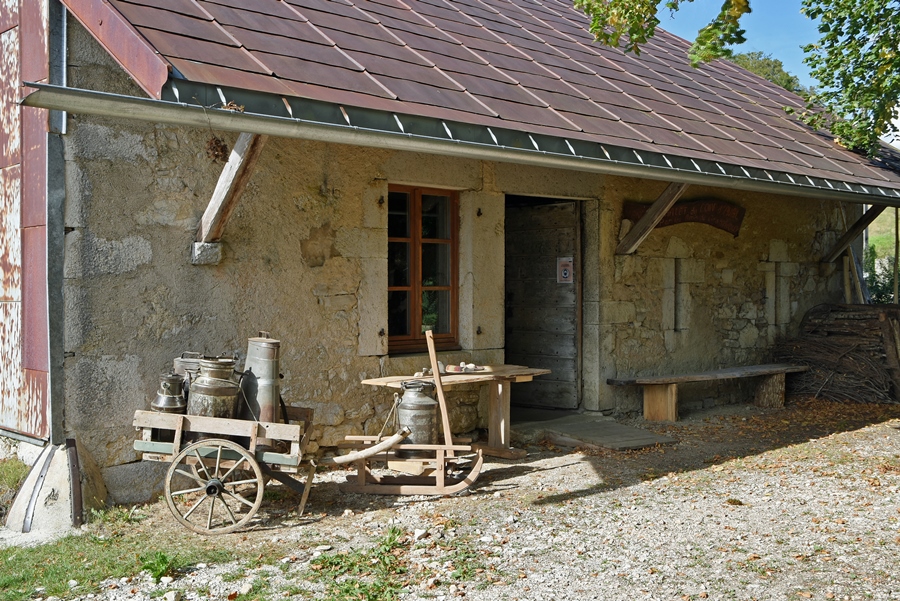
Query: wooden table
pixel 499 377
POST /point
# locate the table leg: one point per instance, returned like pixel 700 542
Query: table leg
pixel 498 424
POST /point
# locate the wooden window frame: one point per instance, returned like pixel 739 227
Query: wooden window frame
pixel 415 341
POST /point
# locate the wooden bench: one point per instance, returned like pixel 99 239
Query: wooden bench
pixel 661 392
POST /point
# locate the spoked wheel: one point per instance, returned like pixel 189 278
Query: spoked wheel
pixel 214 486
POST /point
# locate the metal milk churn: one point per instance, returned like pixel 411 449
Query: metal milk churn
pixel 188 367
pixel 417 411
pixel 260 381
pixel 169 399
pixel 213 392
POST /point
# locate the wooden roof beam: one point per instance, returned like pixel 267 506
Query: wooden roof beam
pixel 231 185
pixel 651 218
pixel 853 232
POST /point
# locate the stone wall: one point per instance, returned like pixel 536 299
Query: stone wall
pixel 694 297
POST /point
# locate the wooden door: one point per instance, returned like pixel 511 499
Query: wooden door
pixel 543 323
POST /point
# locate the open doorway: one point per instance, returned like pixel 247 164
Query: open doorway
pixel 543 298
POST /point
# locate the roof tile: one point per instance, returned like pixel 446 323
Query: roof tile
pixel 528 65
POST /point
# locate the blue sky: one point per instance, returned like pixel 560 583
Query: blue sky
pixel 774 27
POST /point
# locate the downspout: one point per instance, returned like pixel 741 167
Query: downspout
pixel 56 204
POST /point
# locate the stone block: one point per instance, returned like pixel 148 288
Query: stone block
pixel 678 249
pixel 206 253
pixel 138 482
pixel 728 276
pixel 778 251
pixel 671 340
pixel 749 336
pixel 691 271
pixel 374 203
pixel 661 273
pixel 667 321
pixel 765 266
pixel 788 270
pixel 617 312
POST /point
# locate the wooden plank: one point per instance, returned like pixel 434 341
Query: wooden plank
pixel 217 425
pixel 491 373
pixel 231 185
pixel 165 448
pixel 717 374
pixel 438 385
pixel 661 403
pixel 853 232
pixel 653 216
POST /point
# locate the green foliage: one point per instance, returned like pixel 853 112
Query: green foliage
pixel 768 68
pixel 158 564
pixel 12 473
pixel 879 276
pixel 630 23
pixel 856 61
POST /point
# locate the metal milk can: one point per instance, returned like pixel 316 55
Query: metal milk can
pixel 417 411
pixel 169 397
pixel 188 367
pixel 213 392
pixel 260 382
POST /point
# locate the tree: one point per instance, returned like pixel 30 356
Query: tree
pixel 856 61
pixel 769 68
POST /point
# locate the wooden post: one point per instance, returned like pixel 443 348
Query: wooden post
pixel 853 232
pixel 848 291
pixel 232 182
pixel 661 402
pixel 654 215
pixel 770 392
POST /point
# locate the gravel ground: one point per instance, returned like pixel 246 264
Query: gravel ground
pixel 799 503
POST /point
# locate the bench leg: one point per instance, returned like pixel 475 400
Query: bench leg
pixel 770 392
pixel 661 402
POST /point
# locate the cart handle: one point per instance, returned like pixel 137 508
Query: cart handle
pixel 370 451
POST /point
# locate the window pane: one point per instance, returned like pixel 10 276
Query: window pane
pixel 398 215
pixel 435 216
pixel 435 264
pixel 436 311
pixel 398 313
pixel 398 263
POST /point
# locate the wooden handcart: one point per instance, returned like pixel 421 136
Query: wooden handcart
pixel 217 472
pixel 443 469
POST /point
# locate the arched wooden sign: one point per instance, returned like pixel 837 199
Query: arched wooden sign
pixel 711 211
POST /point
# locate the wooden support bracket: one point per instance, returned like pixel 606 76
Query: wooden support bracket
pixel 651 218
pixel 853 233
pixel 231 185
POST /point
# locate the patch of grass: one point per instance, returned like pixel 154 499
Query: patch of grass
pixel 89 559
pixel 12 475
pixel 376 574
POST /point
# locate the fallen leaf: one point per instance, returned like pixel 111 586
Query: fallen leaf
pixel 232 596
pixel 805 595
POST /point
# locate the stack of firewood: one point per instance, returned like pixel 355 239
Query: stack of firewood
pixel 851 351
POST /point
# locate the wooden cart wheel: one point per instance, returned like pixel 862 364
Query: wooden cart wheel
pixel 214 486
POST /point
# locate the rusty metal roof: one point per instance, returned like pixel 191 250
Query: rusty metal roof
pixel 516 65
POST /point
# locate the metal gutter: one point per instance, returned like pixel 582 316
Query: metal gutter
pixel 324 122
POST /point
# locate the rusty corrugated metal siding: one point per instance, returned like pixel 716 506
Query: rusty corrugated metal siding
pixel 24 348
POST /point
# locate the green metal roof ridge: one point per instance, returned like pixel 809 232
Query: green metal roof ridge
pixel 201 105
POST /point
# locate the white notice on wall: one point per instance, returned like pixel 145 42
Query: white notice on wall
pixel 565 270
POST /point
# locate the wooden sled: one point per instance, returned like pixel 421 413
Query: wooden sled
pixel 443 469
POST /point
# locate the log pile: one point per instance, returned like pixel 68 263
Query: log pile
pixel 851 351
